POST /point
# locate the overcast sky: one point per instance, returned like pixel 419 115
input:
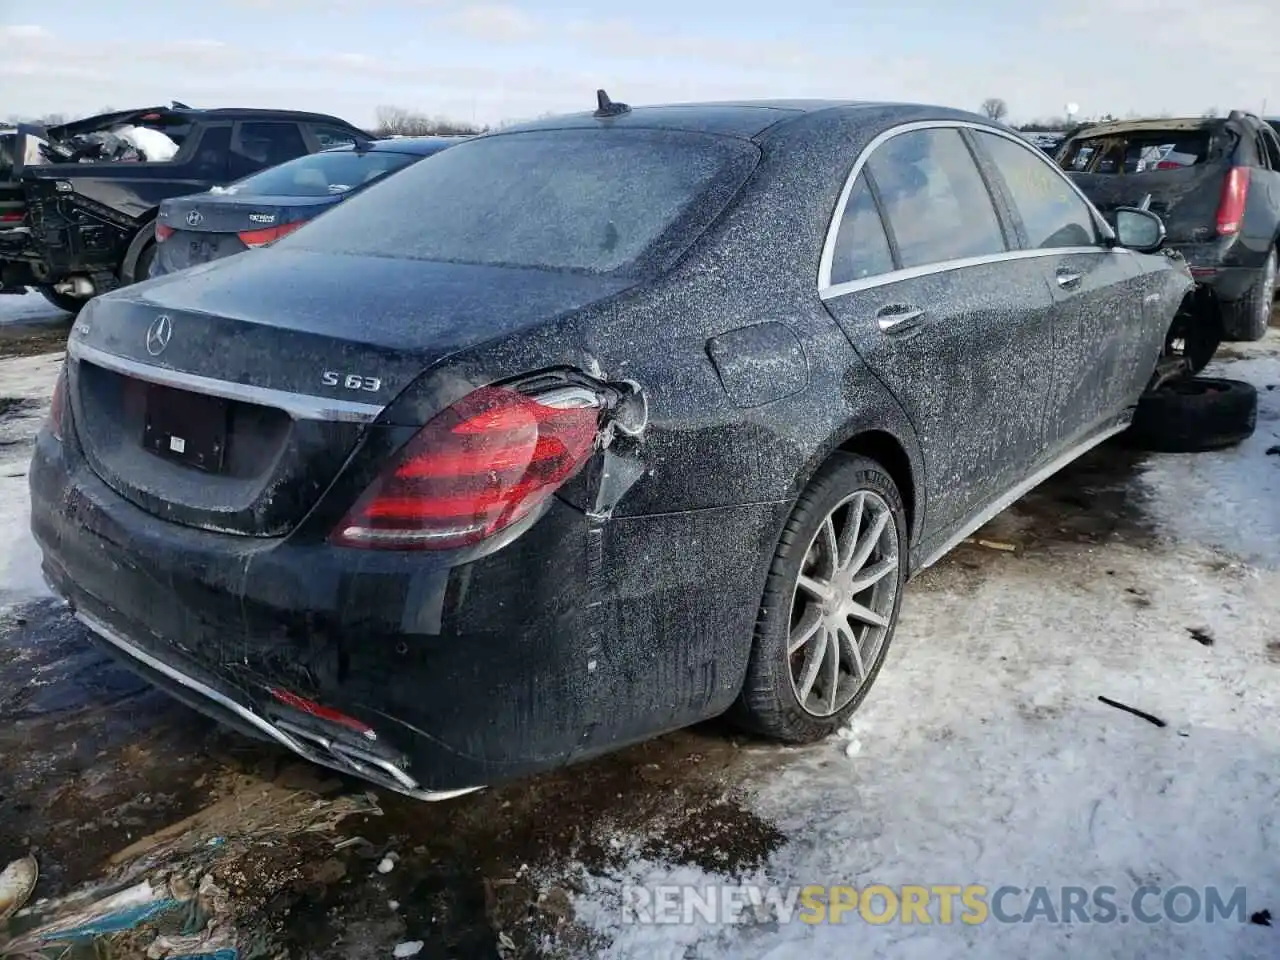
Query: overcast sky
pixel 496 61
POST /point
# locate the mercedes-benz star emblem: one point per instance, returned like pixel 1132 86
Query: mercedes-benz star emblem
pixel 195 218
pixel 158 334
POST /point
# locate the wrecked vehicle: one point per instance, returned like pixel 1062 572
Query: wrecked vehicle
pixel 89 189
pixel 266 206
pixel 588 429
pixel 1216 184
pixel 1048 141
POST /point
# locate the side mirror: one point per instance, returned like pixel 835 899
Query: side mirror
pixel 1139 230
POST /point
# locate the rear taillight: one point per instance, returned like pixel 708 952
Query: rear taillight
pixel 57 403
pixel 163 232
pixel 321 712
pixel 1235 191
pixel 258 238
pixel 476 468
pixel 11 217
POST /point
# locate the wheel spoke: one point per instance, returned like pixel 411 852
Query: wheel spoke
pixel 804 630
pixel 868 541
pixel 817 589
pixel 864 614
pixel 847 635
pixel 874 574
pixel 812 663
pixel 827 536
pixel 849 535
pixel 833 675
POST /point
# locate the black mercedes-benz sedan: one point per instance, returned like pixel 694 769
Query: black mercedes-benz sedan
pixel 588 429
pixel 268 205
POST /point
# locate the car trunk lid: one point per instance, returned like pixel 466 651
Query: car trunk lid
pixel 209 226
pixel 229 397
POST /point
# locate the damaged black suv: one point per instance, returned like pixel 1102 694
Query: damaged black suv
pixel 1215 181
pixel 85 194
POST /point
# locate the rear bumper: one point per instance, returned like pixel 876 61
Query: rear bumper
pixel 1227 266
pixel 184 683
pixel 575 638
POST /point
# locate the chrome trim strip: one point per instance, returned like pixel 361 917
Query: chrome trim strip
pixel 829 244
pixel 912 273
pixel 300 406
pixel 408 785
pixel 1004 501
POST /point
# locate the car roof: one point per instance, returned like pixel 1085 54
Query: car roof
pixel 1138 126
pixel 418 146
pixel 741 118
pixel 103 120
pixel 252 113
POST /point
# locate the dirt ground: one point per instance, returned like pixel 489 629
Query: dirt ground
pixel 93 762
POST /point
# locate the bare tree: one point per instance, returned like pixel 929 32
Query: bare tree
pixel 1211 112
pixel 397 121
pixel 995 108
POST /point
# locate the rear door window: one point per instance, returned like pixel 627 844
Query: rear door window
pixel 1052 214
pixel 935 200
pixel 862 248
pixel 1271 143
pixel 264 144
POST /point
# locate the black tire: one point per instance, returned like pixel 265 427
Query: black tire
pixel 142 269
pixel 769 703
pixel 1248 317
pixel 63 301
pixel 1201 413
pixel 1196 331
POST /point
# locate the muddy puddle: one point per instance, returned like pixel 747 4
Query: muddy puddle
pixel 102 777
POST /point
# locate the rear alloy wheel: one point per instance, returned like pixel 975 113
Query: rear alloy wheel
pixel 1193 415
pixel 1248 317
pixel 830 604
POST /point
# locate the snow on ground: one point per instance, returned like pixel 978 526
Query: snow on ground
pixel 26 309
pixel 1229 499
pixel 26 384
pixel 985 756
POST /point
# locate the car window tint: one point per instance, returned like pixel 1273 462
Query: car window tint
pixel 1052 213
pixel 595 200
pixel 271 143
pixel 934 198
pixel 210 158
pixel 862 249
pixel 332 136
pixel 1272 146
pixel 322 174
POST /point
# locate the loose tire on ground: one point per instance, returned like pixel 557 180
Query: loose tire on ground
pixel 1247 318
pixel 63 301
pixel 1195 414
pixel 770 702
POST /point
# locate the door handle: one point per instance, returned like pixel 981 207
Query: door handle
pixel 898 317
pixel 1068 279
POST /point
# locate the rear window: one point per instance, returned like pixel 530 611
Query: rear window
pixel 594 200
pixel 321 174
pixel 1138 152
